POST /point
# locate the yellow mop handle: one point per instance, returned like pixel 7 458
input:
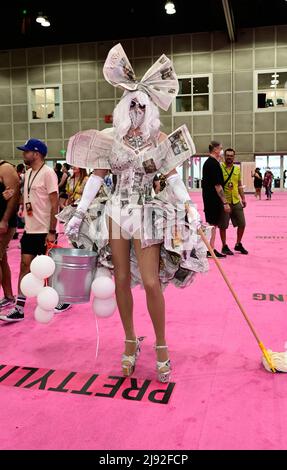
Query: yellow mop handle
pixel 260 344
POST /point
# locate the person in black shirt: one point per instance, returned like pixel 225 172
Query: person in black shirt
pixel 212 191
pixel 258 182
pixel 58 171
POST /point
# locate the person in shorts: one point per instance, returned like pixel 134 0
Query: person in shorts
pixel 212 192
pixel 235 196
pixel 40 209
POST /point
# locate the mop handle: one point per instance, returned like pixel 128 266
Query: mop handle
pixel 260 344
pixel 201 233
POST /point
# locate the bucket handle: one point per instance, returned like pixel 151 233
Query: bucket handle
pixel 49 247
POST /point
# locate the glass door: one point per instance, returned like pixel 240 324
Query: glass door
pixel 277 164
pixel 261 163
pixel 196 165
pixel 274 163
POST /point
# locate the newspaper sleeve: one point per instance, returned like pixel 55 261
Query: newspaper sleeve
pixel 89 149
pixel 170 153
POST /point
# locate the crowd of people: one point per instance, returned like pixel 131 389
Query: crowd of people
pixel 263 181
pixel 42 202
pixel 32 194
pixel 223 198
pixel 34 209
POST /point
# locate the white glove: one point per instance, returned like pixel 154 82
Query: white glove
pixel 72 229
pixel 178 188
pixel 181 195
pixel 90 191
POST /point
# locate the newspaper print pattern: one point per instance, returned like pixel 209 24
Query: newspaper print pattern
pixel 136 214
pixel 159 82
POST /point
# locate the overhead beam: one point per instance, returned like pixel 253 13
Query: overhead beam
pixel 229 19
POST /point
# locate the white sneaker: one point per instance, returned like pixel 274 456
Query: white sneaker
pixel 14 316
pixel 5 302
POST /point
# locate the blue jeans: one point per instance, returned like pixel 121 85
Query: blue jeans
pixel 268 192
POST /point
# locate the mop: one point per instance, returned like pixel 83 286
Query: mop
pixel 272 361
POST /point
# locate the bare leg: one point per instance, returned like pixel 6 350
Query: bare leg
pixel 212 239
pixel 26 261
pixel 148 262
pixel 121 260
pixel 223 236
pixel 5 277
pixel 240 232
pixel 62 203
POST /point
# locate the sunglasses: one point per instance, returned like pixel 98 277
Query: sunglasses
pixel 135 104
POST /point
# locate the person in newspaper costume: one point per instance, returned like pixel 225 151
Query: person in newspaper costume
pixel 146 240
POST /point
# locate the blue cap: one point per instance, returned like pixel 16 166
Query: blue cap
pixel 34 145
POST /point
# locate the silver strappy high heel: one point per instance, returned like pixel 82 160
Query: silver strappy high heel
pixel 163 368
pixel 129 362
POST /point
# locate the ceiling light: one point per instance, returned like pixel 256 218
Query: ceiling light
pixel 46 23
pixel 40 18
pixel 170 8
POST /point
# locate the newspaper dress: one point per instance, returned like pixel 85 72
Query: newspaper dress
pixel 134 210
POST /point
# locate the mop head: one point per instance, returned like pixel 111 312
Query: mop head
pixel 278 359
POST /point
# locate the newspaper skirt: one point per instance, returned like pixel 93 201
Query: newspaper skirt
pixel 182 252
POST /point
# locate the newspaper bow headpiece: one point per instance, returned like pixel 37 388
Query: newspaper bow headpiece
pixel 159 82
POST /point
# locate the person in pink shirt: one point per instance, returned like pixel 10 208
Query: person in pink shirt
pixel 40 208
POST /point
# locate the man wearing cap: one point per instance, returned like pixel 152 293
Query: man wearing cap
pixel 40 209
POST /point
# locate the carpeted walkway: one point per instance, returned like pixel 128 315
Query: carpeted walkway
pixel 222 398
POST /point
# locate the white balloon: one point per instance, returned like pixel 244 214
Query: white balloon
pixel 103 287
pixel 43 266
pixel 31 285
pixel 48 298
pixel 43 316
pixel 104 308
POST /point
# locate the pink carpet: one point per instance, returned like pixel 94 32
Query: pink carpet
pixel 222 397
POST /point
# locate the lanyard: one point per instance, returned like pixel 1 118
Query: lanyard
pixel 229 175
pixel 29 186
pixel 225 169
pixel 76 184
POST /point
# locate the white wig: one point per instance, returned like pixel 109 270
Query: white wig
pixel 121 116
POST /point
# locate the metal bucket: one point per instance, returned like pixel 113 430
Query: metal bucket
pixel 74 274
